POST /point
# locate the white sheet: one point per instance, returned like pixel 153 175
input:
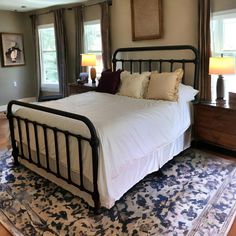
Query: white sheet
pixel 129 130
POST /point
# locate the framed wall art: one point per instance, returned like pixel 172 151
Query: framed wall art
pixel 146 18
pixel 12 49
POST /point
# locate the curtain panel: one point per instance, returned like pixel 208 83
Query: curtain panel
pixel 204 46
pixel 79 40
pixel 105 30
pixel 60 35
pixel 34 24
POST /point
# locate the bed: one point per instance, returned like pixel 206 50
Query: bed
pixel 95 151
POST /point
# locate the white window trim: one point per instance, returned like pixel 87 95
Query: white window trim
pixel 220 15
pixel 53 87
pixel 96 52
pixel 226 14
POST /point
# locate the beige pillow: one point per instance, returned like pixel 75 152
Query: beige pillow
pixel 134 85
pixel 179 72
pixel 164 86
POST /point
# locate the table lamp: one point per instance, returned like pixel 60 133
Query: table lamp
pixel 221 66
pixel 90 60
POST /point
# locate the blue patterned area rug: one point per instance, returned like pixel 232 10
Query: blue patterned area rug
pixel 194 194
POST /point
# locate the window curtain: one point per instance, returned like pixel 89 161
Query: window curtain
pixel 60 35
pixel 79 43
pixel 204 46
pixel 34 24
pixel 105 30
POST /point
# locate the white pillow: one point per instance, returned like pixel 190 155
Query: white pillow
pixel 134 85
pixel 187 93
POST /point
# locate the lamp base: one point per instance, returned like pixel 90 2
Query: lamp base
pixel 220 88
pixel 93 75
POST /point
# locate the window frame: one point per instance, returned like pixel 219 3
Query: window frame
pixel 220 16
pixel 50 87
pixel 99 68
pixel 217 48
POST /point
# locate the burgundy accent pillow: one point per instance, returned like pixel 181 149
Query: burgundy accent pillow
pixel 109 82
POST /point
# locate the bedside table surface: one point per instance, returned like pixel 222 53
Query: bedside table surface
pixel 93 85
pixel 89 84
pixel 225 104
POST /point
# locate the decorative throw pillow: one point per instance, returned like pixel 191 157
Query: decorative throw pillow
pixel 134 85
pixel 164 86
pixel 109 82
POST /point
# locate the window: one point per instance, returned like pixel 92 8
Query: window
pixel 48 58
pixel 223 37
pixel 93 42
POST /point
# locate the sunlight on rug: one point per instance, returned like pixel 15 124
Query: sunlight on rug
pixel 194 194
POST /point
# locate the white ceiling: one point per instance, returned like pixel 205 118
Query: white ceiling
pixel 16 5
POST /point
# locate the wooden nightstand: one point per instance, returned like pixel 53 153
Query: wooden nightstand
pixel 215 123
pixel 81 88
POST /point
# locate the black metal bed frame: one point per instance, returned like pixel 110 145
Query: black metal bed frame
pixel 17 124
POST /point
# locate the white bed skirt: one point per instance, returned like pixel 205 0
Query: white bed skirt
pixel 127 178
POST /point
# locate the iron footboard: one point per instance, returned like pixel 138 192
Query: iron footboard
pixel 26 126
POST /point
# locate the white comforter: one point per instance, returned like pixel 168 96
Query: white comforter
pixel 128 129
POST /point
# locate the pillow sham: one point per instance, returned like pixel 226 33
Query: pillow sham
pixel 164 86
pixel 134 85
pixel 109 82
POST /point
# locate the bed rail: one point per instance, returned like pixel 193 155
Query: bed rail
pixel 22 125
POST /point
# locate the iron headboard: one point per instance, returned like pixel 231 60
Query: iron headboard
pixel 158 62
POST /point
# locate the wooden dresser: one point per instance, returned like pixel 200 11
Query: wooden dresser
pixel 215 123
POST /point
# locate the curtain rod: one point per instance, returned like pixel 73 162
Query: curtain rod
pixel 70 8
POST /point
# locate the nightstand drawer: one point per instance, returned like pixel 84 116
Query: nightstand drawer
pixel 216 119
pixel 218 138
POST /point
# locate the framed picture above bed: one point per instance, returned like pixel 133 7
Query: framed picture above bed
pixel 147 21
pixel 12 49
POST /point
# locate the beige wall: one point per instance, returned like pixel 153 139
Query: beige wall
pixel 180 24
pixel 13 22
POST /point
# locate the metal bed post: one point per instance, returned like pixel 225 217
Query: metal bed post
pixel 93 142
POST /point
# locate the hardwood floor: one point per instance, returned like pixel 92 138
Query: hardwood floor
pixel 3 231
pixel 232 231
pixel 4 143
pixel 4 131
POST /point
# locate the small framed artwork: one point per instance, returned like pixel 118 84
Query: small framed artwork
pixel 12 49
pixel 146 18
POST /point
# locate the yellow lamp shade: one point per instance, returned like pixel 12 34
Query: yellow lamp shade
pixel 88 60
pixel 221 65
